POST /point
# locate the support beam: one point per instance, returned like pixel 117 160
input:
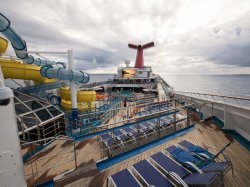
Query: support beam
pixel 73 88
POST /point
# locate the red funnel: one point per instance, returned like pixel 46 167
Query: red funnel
pixel 139 62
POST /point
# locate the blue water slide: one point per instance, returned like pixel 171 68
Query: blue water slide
pixel 19 44
pixel 42 90
pixel 62 74
pixel 41 87
pixel 52 98
pixel 47 70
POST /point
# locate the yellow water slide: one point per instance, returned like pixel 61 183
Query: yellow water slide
pixel 16 69
pixel 85 98
pixel 3 45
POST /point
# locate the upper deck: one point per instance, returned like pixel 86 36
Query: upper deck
pixel 88 153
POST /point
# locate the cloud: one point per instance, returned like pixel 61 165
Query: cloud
pixel 190 36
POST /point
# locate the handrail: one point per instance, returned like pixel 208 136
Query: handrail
pixel 231 97
pixel 60 137
pixel 135 118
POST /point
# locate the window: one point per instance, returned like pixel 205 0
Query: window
pixel 43 115
pixel 20 109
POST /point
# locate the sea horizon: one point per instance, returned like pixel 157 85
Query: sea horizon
pixel 237 85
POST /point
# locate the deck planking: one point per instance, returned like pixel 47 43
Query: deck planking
pixel 88 152
pixel 203 135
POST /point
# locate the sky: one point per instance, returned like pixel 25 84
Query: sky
pixel 190 36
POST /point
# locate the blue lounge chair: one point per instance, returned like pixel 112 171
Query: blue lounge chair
pixel 105 136
pixel 196 149
pixel 190 161
pixel 183 157
pixel 167 118
pixel 123 178
pixel 165 123
pixel 119 136
pixel 130 131
pixel 109 142
pixel 150 175
pixel 149 125
pixel 180 174
pixel 142 127
pixel 226 163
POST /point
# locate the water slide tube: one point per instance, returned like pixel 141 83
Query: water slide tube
pixel 85 98
pixel 66 104
pixel 47 70
pixel 3 45
pixel 19 44
pixel 15 69
pixel 51 97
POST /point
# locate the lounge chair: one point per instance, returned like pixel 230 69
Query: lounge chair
pixel 105 136
pixel 142 127
pixel 130 131
pixel 190 161
pixel 123 178
pixel 202 152
pixel 180 174
pixel 149 125
pixel 167 118
pixel 150 175
pixel 199 150
pixel 119 136
pixel 109 142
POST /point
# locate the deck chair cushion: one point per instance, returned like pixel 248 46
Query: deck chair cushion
pixel 200 178
pixel 195 149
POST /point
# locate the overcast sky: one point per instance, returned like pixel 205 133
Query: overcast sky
pixel 191 36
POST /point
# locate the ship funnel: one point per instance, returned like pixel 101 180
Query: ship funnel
pixel 139 62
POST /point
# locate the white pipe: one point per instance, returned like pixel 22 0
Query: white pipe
pixel 73 89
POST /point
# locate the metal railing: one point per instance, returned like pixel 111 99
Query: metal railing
pixel 35 167
pixel 241 102
pixel 30 128
pixel 133 142
pixel 129 117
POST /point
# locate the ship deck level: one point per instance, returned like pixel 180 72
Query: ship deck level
pixel 88 152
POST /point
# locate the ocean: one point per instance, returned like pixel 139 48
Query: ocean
pixel 230 85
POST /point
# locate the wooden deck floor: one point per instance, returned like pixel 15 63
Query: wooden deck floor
pixel 88 153
pixel 59 157
pixel 204 135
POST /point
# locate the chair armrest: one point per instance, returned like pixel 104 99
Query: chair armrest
pixel 220 152
pixel 194 167
pixel 178 179
pixel 203 155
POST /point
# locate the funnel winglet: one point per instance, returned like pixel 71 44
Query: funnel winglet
pixel 139 62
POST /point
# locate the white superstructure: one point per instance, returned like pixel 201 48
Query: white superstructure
pixel 11 163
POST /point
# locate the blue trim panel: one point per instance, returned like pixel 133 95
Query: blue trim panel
pixel 46 184
pixel 243 141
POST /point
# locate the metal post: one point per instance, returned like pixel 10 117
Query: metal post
pixel 75 153
pixel 73 89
